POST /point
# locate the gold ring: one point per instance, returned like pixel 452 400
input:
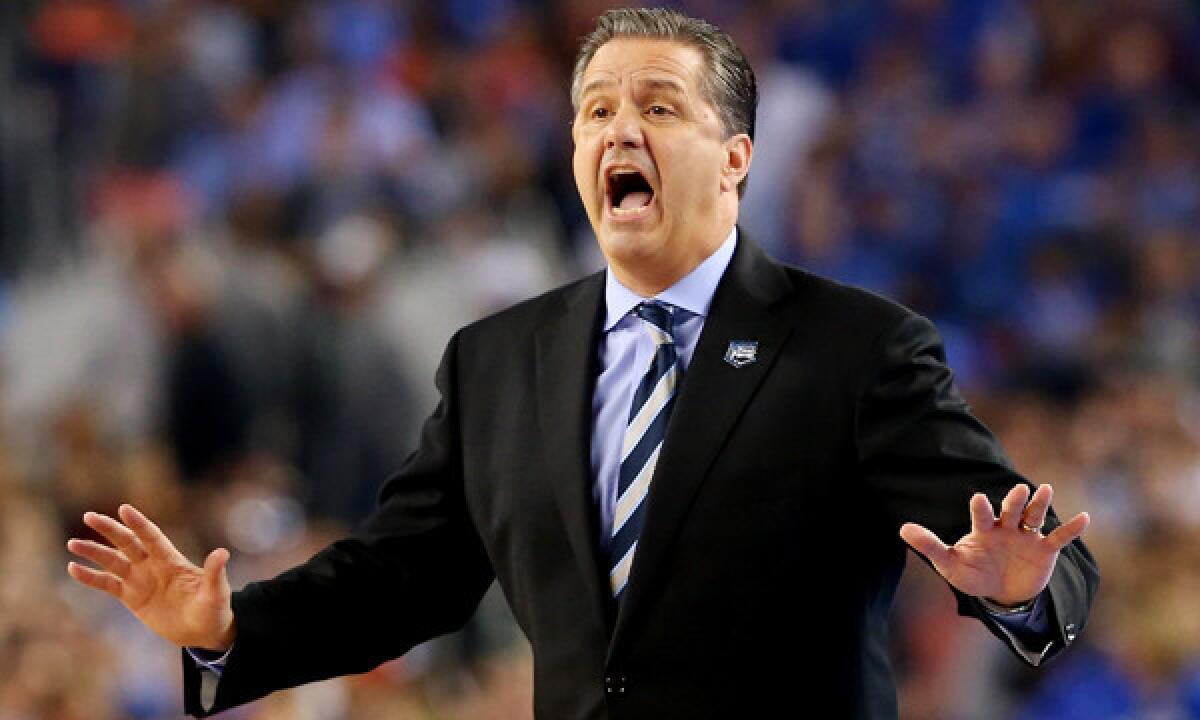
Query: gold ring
pixel 1029 528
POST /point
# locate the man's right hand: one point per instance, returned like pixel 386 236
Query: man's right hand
pixel 185 604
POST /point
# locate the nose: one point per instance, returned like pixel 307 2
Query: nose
pixel 625 130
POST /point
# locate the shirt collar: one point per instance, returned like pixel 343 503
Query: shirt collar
pixel 693 292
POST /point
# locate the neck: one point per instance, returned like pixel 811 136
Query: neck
pixel 647 278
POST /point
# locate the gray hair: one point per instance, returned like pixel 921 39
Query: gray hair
pixel 729 83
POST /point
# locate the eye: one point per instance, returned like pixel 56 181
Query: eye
pixel 659 110
pixel 599 113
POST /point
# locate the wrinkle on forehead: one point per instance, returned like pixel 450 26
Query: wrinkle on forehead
pixel 648 79
pixel 662 60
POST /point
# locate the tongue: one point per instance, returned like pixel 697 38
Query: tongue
pixel 635 199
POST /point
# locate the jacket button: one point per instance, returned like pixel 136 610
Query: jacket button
pixel 615 684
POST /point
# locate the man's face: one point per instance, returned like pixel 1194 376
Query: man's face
pixel 651 161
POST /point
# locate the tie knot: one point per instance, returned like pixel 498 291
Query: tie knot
pixel 657 314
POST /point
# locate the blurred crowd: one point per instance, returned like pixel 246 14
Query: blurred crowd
pixel 236 234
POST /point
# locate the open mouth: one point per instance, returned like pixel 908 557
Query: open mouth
pixel 628 191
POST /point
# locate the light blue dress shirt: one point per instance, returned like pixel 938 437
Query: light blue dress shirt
pixel 625 353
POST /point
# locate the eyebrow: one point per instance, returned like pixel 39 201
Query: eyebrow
pixel 596 85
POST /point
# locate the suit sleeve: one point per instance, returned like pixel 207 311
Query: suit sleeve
pixel 414 570
pixel 923 455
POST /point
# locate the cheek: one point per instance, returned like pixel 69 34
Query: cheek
pixel 693 177
pixel 584 168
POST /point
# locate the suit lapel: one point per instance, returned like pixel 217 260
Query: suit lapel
pixel 566 357
pixel 711 398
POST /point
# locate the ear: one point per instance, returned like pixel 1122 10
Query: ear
pixel 739 150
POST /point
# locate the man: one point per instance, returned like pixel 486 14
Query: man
pixel 693 474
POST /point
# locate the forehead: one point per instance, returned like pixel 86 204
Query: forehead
pixel 625 58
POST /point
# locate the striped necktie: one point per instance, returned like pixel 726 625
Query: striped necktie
pixel 648 416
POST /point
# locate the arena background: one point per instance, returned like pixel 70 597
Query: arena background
pixel 235 234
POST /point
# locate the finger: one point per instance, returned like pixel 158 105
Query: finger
pixel 215 575
pixel 1013 506
pixel 153 539
pixel 106 582
pixel 926 543
pixel 104 556
pixel 117 534
pixel 982 518
pixel 1063 535
pixel 1039 505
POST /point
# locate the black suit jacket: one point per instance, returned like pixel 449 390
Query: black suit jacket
pixel 770 551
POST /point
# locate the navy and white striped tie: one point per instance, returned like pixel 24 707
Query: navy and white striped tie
pixel 648 416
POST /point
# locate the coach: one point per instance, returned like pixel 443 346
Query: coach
pixel 695 474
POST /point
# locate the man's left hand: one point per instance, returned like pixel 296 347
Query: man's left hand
pixel 1007 561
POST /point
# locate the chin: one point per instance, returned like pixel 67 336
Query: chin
pixel 628 244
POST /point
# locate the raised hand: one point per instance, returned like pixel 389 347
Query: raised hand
pixel 185 604
pixel 1007 561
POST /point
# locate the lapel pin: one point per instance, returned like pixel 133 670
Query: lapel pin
pixel 741 353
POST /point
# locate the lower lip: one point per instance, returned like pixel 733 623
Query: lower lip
pixel 617 215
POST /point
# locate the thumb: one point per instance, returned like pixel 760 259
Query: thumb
pixel 925 542
pixel 216 576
